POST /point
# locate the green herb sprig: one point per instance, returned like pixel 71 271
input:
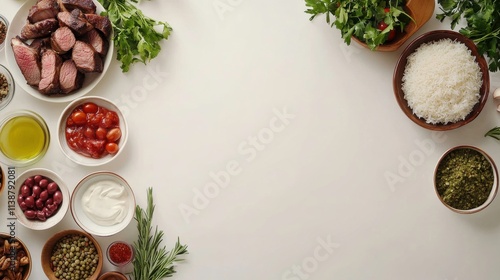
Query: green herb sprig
pixel 482 18
pixel 152 262
pixel 361 18
pixel 494 132
pixel 136 36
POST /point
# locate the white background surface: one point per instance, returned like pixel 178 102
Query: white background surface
pixel 320 177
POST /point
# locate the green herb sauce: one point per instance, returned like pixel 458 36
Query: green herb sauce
pixel 464 179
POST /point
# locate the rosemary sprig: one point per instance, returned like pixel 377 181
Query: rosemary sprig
pixel 152 262
pixel 494 132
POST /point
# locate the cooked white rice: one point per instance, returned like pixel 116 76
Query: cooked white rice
pixel 441 81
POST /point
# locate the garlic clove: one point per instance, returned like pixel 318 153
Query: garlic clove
pixel 496 94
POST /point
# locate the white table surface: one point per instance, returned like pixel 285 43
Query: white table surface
pixel 308 131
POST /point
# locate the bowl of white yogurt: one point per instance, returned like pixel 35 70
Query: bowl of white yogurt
pixel 103 203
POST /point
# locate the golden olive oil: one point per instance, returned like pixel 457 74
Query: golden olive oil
pixel 22 138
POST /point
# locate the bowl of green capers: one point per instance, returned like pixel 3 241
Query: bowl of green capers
pixel 72 254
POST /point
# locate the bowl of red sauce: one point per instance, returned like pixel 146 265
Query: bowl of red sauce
pixel 92 131
pixel 120 253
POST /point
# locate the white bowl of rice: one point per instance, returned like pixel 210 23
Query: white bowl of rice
pixel 441 82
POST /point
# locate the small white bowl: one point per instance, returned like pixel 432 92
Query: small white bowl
pixel 79 158
pixel 11 84
pixel 77 205
pixel 63 207
pixel 6 23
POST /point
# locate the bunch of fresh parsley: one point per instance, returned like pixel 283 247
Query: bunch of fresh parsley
pixel 482 24
pixel 361 18
pixel 136 36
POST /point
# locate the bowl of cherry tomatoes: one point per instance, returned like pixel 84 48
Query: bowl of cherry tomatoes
pixel 92 131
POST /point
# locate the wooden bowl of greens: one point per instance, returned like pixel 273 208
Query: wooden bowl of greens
pixel 378 25
pixel 466 179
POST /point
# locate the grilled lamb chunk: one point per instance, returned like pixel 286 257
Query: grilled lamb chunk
pixel 51 65
pixel 86 58
pixel 93 38
pixel 44 9
pixel 40 43
pixel 75 20
pixel 70 79
pixel 100 23
pixel 62 40
pixel 39 29
pixel 28 60
pixel 86 6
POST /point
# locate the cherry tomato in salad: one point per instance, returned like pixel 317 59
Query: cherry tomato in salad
pixel 382 26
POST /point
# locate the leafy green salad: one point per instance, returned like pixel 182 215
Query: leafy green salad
pixel 374 22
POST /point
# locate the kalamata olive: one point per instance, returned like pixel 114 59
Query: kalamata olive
pixel 52 207
pixel 49 200
pixel 52 187
pixel 44 195
pixel 47 212
pixel 20 199
pixel 37 178
pixel 36 191
pixel 39 204
pixel 58 197
pixel 43 183
pixel 29 182
pixel 25 191
pixel 30 201
pixel 30 214
pixel 23 206
pixel 41 215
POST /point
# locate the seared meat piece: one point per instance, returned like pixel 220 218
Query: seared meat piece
pixel 93 38
pixel 75 20
pixel 86 58
pixel 101 23
pixel 40 43
pixel 39 29
pixel 51 65
pixel 70 79
pixel 44 9
pixel 86 6
pixel 28 60
pixel 62 40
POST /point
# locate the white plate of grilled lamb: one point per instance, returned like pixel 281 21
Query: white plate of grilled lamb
pixel 59 49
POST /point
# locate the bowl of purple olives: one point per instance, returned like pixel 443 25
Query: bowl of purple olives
pixel 42 199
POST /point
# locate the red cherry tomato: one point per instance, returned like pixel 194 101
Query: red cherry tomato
pixel 382 26
pixel 101 133
pixel 386 10
pixel 90 108
pixel 114 134
pixel 79 117
pixel 112 148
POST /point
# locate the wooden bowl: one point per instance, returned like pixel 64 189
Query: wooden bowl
pixel 399 72
pixel 421 11
pixel 49 245
pixel 27 268
pixel 113 275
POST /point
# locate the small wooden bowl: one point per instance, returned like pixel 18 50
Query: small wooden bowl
pixel 49 245
pixel 113 275
pixel 27 271
pixel 421 11
pixel 401 65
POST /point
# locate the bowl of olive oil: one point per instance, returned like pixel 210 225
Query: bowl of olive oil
pixel 24 138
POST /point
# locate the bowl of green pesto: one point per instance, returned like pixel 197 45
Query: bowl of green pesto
pixel 466 179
